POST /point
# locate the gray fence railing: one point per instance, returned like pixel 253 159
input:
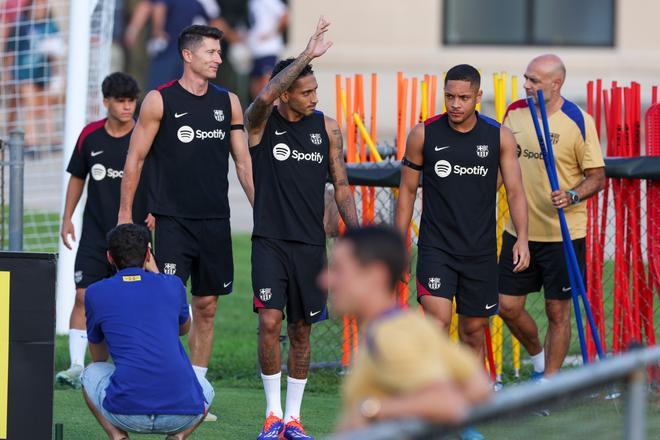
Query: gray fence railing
pixel 630 368
pixel 16 165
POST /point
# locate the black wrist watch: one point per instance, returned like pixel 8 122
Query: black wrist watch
pixel 575 198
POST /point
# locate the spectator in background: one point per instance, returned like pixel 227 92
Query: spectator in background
pixel 32 53
pixel 267 21
pixel 137 318
pixel 406 368
pixel 168 19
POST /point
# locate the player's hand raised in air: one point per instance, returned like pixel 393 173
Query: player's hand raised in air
pixel 317 46
pixel 520 256
pixel 68 230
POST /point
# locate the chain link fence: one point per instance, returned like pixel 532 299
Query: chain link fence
pixel 624 304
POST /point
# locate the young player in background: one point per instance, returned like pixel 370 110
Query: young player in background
pixel 100 154
pixel 461 153
pixel 294 148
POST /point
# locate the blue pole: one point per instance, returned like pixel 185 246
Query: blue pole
pixel 566 234
pixel 574 294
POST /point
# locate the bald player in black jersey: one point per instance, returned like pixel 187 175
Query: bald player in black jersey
pixel 460 153
pixel 293 148
pixel 186 130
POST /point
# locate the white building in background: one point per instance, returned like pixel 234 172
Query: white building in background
pixel 608 39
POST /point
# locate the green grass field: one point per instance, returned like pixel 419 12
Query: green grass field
pixel 239 399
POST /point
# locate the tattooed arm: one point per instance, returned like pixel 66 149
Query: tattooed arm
pixel 343 193
pixel 258 112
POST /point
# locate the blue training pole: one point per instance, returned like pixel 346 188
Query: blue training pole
pixel 566 234
pixel 574 294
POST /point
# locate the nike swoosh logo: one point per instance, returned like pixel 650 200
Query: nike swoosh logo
pixel 314 313
pixel 488 307
pixel 178 115
pixel 440 148
pixel 279 133
pixel 227 284
pixel 565 289
pixel 96 153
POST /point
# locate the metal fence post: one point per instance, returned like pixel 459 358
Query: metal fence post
pixel 635 422
pixel 16 163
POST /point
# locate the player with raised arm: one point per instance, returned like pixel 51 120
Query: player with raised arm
pixel 100 154
pixel 460 153
pixel 186 130
pixel 293 147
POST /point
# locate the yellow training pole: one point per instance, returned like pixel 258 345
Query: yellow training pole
pixel 515 344
pixel 442 98
pixel 479 103
pixel 425 102
pixel 453 326
pixel 367 138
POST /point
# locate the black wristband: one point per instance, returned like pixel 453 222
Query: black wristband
pixel 237 127
pixel 411 165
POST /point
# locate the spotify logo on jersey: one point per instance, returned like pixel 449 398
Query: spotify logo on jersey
pixel 442 168
pixel 281 152
pixel 98 171
pixel 185 134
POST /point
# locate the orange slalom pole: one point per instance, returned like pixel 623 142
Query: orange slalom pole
pixel 401 148
pixel 413 103
pixel 338 99
pixel 374 137
pixel 346 344
pixel 350 132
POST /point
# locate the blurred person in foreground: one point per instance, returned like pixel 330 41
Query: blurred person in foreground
pixel 406 367
pixel 136 317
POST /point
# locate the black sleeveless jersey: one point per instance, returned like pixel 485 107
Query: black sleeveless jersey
pixel 189 159
pixel 459 187
pixel 102 157
pixel 290 169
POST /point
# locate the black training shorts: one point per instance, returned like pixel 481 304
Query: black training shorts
pixel 285 276
pixel 547 268
pixel 91 264
pixel 199 249
pixel 471 279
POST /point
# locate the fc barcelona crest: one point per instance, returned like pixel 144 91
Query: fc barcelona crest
pixel 482 151
pixel 316 138
pixel 265 294
pixel 434 283
pixel 219 115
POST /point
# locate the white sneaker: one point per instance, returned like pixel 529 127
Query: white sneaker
pixel 210 417
pixel 70 377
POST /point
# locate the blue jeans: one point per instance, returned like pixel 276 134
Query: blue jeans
pixel 96 378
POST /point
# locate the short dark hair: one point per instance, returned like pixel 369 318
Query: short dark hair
pixel 283 64
pixel 191 36
pixel 464 72
pixel 379 244
pixel 120 85
pixel 128 244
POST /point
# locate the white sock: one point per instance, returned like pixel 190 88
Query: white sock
pixel 77 346
pixel 538 360
pixel 273 391
pixel 200 371
pixel 295 388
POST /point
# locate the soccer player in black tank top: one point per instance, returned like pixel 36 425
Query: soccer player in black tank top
pixel 99 154
pixel 460 153
pixel 188 128
pixel 293 148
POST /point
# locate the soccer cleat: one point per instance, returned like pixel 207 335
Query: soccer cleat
pixel 537 377
pixel 273 427
pixel 70 377
pixel 470 433
pixel 294 430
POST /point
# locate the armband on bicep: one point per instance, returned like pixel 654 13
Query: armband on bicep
pixel 237 127
pixel 409 164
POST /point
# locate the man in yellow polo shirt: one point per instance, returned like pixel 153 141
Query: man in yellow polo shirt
pixel 406 367
pixel 581 173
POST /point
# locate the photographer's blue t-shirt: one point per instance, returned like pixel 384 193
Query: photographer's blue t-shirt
pixel 138 314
